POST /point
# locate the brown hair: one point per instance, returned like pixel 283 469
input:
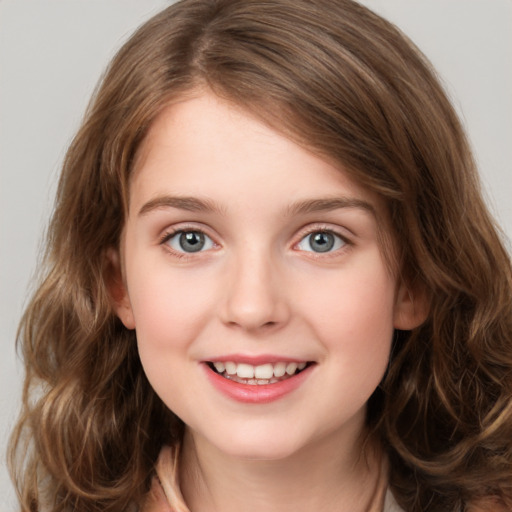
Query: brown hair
pixel 348 85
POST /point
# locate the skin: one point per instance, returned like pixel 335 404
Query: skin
pixel 258 287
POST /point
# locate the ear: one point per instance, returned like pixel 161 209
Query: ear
pixel 411 307
pixel 117 290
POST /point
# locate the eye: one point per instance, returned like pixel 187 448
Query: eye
pixel 321 241
pixel 189 241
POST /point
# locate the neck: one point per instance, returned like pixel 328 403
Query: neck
pixel 324 476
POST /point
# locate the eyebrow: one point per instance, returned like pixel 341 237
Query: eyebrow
pixel 194 204
pixel 191 204
pixel 329 204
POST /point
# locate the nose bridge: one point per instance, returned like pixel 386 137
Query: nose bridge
pixel 255 297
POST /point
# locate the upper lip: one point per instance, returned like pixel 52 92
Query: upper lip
pixel 256 360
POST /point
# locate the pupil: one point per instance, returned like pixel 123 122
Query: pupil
pixel 192 241
pixel 321 242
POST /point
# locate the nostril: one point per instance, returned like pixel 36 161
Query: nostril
pixel 253 303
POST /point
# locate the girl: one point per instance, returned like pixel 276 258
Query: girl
pixel 271 281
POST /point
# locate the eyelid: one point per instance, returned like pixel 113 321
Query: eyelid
pixel 174 230
pixel 323 228
pixel 338 231
pixel 178 227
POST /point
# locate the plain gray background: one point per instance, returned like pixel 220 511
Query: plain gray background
pixel 52 53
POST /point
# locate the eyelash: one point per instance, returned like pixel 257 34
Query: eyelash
pixel 169 235
pixel 327 230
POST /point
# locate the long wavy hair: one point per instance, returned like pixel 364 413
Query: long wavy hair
pixel 346 84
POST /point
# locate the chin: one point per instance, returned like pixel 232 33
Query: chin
pixel 259 446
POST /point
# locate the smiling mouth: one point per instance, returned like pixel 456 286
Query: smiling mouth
pixel 269 373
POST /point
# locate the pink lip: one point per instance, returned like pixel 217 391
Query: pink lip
pixel 256 360
pixel 256 394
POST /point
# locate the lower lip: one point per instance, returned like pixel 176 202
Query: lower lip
pixel 254 393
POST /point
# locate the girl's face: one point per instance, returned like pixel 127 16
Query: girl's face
pixel 253 275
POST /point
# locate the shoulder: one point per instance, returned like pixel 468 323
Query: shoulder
pixel 165 494
pixel 155 500
pixel 390 504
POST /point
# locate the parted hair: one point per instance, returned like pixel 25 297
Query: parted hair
pixel 349 86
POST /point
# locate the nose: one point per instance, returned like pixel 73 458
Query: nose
pixel 256 296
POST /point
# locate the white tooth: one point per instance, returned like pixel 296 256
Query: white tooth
pixel 291 368
pixel 219 367
pixel 265 371
pixel 245 371
pixel 279 369
pixel 252 381
pixel 272 381
pixel 230 367
pixel 301 366
pixel 262 381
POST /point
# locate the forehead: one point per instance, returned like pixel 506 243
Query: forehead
pixel 203 141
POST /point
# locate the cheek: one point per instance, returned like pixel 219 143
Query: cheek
pixel 352 315
pixel 358 338
pixel 169 308
pixel 170 312
pixel 353 301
